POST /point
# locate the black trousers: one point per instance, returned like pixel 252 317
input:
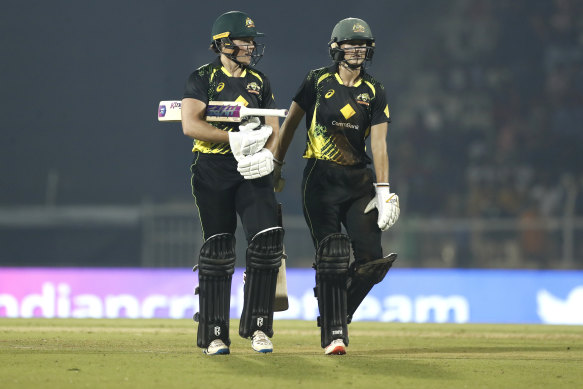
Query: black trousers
pixel 334 195
pixel 221 193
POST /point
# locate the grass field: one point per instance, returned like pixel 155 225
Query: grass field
pixel 64 353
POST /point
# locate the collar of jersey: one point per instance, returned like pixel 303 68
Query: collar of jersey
pixel 342 83
pixel 230 75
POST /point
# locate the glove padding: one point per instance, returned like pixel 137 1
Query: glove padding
pixel 387 204
pixel 278 180
pixel 250 139
pixel 256 165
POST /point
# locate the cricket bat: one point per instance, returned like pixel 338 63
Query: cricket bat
pixel 281 303
pixel 216 111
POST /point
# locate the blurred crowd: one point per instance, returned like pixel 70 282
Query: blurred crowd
pixel 491 125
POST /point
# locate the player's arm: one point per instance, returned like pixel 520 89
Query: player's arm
pixel 288 129
pixel 380 155
pixel 385 201
pixel 271 143
pixel 195 126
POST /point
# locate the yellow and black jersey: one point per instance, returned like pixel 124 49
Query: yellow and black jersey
pixel 338 117
pixel 212 82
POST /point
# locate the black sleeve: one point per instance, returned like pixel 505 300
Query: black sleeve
pixel 305 96
pixel 267 99
pixel 196 87
pixel 380 108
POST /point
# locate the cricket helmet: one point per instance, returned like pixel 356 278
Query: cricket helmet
pixel 235 24
pixel 351 29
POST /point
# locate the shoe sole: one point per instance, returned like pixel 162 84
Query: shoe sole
pixel 224 351
pixel 338 350
pixel 264 351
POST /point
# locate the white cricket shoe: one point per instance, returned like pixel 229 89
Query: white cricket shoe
pixel 337 347
pixel 217 347
pixel 261 343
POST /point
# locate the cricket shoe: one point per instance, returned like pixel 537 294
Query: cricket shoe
pixel 217 347
pixel 337 347
pixel 261 343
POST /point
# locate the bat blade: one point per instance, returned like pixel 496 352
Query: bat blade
pixel 281 303
pixel 216 111
pixel 170 111
pixel 223 111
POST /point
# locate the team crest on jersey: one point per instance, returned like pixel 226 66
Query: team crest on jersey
pixel 252 87
pixel 358 27
pixel 249 23
pixel 363 98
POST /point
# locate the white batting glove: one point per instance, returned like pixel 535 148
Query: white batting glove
pixel 250 139
pixel 256 165
pixel 249 124
pixel 387 204
pixel 278 180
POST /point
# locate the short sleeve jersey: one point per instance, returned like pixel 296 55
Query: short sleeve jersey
pixel 339 117
pixel 212 82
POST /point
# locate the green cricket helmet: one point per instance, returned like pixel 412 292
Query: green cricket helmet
pixel 351 29
pixel 235 24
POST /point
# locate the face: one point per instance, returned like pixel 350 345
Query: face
pixel 246 47
pixel 354 51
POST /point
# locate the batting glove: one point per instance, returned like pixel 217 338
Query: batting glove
pixel 278 180
pixel 256 165
pixel 250 138
pixel 250 124
pixel 387 204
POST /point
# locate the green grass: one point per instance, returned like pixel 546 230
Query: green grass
pixel 64 353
